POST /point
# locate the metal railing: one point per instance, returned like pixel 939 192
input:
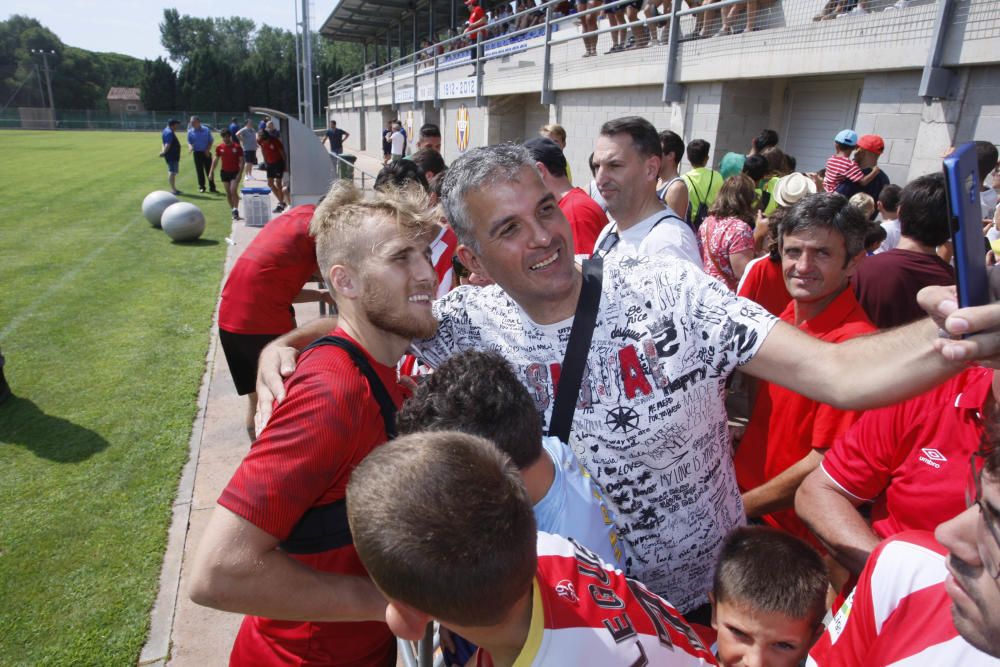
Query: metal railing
pixel 713 37
pixel 362 178
pixel 458 51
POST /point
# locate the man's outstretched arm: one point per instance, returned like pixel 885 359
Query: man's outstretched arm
pixel 239 568
pixel 861 373
pixel 889 366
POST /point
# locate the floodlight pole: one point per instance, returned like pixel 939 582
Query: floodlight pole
pixel 319 98
pixel 298 67
pixel 48 77
pixel 307 63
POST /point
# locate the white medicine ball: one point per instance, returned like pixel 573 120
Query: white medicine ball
pixel 155 204
pixel 183 221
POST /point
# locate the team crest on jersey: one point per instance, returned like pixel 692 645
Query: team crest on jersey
pixel 462 128
pixel 567 591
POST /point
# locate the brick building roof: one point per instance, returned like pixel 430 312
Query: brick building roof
pixel 122 93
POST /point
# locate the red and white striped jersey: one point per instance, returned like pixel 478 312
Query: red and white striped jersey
pixel 899 614
pixel 442 250
pixel 585 612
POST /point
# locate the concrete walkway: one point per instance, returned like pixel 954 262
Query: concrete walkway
pixel 181 632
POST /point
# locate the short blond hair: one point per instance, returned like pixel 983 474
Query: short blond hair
pixel 344 220
pixel 554 131
pixel 864 202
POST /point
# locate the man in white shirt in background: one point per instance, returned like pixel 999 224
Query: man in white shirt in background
pixel 627 157
pixel 398 142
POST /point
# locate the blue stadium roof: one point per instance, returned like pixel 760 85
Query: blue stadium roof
pixel 367 21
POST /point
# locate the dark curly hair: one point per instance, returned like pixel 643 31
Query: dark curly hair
pixel 477 393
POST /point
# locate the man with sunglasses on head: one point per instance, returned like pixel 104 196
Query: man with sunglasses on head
pixel 928 599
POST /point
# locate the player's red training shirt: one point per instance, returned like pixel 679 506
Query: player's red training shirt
pixel 912 458
pixel 585 612
pixel 229 155
pixel 899 615
pixel 273 150
pixel 327 424
pixel 442 250
pixel 258 295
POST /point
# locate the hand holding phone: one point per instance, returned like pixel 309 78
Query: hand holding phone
pixel 964 217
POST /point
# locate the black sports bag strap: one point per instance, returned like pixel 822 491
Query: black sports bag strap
pixel 381 394
pixel 607 243
pixel 325 527
pixel 577 350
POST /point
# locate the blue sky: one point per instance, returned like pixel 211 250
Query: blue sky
pixel 132 26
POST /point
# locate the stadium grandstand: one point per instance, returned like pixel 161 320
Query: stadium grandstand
pixel 922 74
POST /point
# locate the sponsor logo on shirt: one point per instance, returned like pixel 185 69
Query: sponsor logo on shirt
pixel 932 457
pixel 566 590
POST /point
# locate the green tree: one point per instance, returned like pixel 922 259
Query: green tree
pixel 80 78
pixel 181 36
pixel 158 88
pixel 229 63
pixel 205 81
pixel 122 70
pixel 21 70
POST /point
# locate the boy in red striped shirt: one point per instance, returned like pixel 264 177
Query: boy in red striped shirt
pixel 840 166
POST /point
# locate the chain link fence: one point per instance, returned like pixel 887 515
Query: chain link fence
pixel 33 118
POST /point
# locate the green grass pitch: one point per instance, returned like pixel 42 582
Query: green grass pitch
pixel 105 325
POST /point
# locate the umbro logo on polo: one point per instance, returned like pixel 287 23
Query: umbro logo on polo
pixel 932 457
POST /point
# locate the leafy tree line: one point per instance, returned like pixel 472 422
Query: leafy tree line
pixel 80 78
pixel 215 64
pixel 231 63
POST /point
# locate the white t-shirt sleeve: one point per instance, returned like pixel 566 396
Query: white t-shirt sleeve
pixel 672 237
pixel 735 324
pixel 722 330
pixel 464 315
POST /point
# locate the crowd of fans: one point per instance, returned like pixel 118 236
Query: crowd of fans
pixel 634 25
pixel 569 476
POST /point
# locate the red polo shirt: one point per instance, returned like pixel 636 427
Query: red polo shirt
pixel 477 14
pixel 912 458
pixel 785 426
pixel 764 284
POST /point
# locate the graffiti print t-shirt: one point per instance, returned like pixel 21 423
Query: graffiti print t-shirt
pixel 650 424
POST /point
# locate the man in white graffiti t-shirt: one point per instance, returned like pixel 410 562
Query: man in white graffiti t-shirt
pixel 650 425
